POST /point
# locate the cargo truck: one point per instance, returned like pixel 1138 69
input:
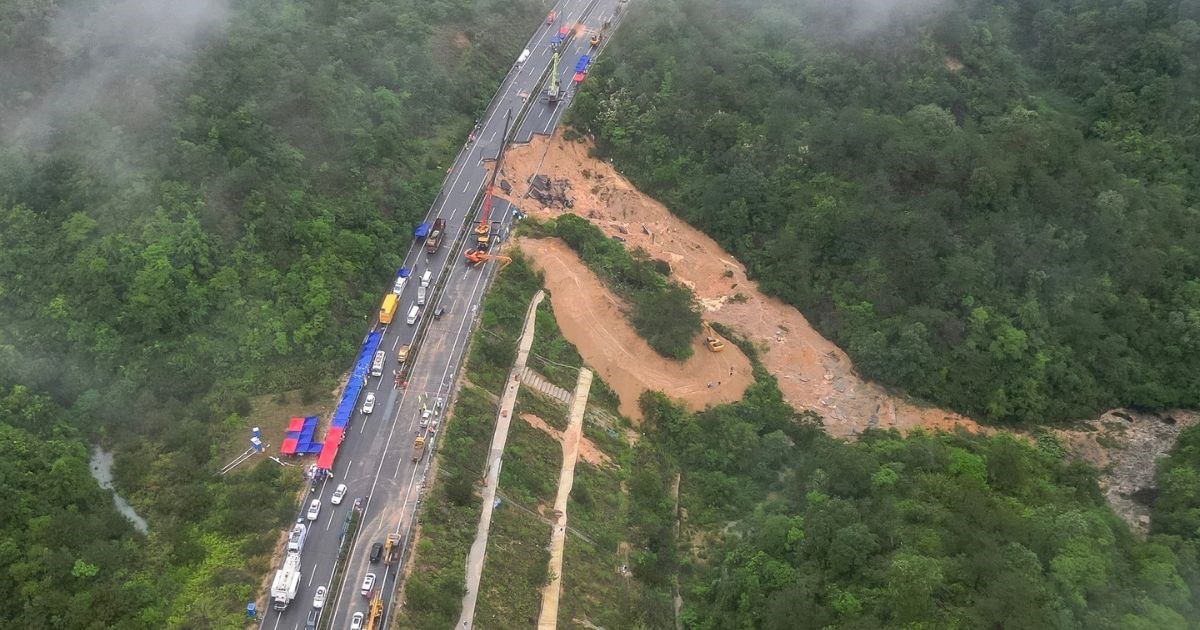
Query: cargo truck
pixel 388 309
pixel 434 240
pixel 296 539
pixel 418 448
pixel 421 295
pixel 286 582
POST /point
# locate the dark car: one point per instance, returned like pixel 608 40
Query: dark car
pixel 376 552
pixel 441 310
pixel 313 616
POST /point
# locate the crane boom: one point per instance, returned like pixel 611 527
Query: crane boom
pixel 554 90
pixel 483 231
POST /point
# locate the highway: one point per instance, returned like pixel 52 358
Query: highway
pixel 375 460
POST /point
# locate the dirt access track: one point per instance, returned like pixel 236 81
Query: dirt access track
pixel 813 373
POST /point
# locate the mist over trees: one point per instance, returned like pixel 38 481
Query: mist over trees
pixel 199 201
pixel 992 205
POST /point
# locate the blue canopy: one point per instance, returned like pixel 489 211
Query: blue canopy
pixel 582 64
pixel 402 272
pixel 422 230
pixel 557 39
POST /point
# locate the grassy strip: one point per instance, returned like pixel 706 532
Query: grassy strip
pixel 495 346
pixel 448 517
pixel 662 311
pixel 517 553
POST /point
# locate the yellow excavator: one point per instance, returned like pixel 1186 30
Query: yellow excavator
pixel 711 339
pixel 476 258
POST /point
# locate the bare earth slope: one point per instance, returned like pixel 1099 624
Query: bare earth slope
pixel 590 317
pixel 813 373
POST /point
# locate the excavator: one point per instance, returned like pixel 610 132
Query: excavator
pixel 483 235
pixel 477 258
pixel 712 340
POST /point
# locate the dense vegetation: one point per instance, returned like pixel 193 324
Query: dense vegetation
pixel 517 555
pixel 992 204
pixel 789 528
pixel 200 203
pixel 1177 505
pixel 661 310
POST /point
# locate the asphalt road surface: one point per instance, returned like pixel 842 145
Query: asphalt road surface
pixel 375 460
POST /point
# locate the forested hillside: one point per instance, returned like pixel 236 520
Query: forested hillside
pixel 784 527
pixel 992 205
pixel 200 202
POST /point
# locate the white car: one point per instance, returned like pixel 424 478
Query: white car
pixel 356 621
pixel 369 403
pixel 368 585
pixel 425 415
pixel 314 509
pixel 338 494
pixel 319 599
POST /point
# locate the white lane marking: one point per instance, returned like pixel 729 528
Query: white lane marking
pixel 494 134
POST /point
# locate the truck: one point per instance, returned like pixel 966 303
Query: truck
pixel 421 291
pixel 388 308
pixel 296 538
pixel 391 550
pixel 418 448
pixel 401 280
pixel 286 582
pixel 434 240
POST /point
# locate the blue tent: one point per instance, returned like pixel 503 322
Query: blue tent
pixel 422 230
pixel 582 64
pixel 557 39
pixel 403 272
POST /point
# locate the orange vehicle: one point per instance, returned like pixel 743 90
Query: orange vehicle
pixel 550 17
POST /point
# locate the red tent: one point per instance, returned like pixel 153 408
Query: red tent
pixel 296 425
pixel 329 450
pixel 288 447
pixel 578 78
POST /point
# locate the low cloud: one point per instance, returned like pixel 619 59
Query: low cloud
pixel 103 57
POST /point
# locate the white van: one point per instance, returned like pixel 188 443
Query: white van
pixel 412 314
pixel 398 287
pixel 421 296
pixel 524 56
pixel 426 278
pixel 377 364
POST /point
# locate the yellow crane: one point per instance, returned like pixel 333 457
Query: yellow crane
pixel 376 610
pixel 711 339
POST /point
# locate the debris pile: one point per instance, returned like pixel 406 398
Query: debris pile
pixel 550 193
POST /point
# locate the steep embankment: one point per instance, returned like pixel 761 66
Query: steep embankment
pixel 813 373
pixel 590 317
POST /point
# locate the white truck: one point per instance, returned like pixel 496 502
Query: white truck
pixel 421 295
pixel 296 539
pixel 286 582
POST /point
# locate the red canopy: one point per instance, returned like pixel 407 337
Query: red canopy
pixel 578 77
pixel 296 424
pixel 288 447
pixel 329 450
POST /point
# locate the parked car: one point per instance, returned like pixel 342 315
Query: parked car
pixel 356 621
pixel 319 598
pixel 314 509
pixel 369 403
pixel 338 494
pixel 441 310
pixel 313 616
pixel 426 414
pixel 402 354
pixel 376 552
pixel 368 585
